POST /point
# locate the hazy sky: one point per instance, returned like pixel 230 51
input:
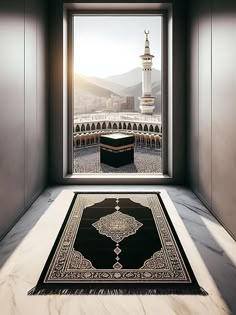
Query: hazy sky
pixel 108 45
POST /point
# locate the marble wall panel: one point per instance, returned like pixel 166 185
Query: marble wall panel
pixel 192 99
pixel 212 96
pixel 23 108
pixel 204 101
pixel 224 112
pixel 12 155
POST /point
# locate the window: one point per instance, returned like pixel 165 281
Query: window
pixel 108 91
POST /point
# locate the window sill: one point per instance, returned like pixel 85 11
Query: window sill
pixel 120 179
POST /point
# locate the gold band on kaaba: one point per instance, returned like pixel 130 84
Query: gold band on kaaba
pixel 123 147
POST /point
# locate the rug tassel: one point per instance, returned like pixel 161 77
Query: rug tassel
pixel 203 292
pixel 119 291
pixel 32 291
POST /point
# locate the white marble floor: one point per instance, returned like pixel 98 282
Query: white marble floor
pixel 210 250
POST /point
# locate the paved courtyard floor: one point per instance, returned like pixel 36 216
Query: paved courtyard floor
pixel 146 160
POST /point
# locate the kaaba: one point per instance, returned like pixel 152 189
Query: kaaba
pixel 117 149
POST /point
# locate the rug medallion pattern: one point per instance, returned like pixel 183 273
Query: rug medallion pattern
pixel 117 226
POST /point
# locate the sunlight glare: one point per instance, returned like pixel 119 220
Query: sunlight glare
pixel 94 56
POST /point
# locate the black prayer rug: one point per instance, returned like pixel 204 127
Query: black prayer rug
pixel 117 243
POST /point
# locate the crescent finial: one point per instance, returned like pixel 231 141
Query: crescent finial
pixel 146 33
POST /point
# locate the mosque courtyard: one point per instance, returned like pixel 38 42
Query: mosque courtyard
pixel 146 160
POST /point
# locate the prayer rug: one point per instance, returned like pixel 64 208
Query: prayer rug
pixel 117 243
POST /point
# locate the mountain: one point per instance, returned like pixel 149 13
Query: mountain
pixel 103 83
pixel 83 86
pixel 133 77
pixel 156 88
pixel 122 84
pixel 90 91
pixel 136 90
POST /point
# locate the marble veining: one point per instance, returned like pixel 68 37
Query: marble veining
pixel 210 250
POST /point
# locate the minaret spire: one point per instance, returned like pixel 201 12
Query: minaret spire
pixel 146 48
pixel 147 100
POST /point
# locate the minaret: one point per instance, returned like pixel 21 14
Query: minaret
pixel 147 100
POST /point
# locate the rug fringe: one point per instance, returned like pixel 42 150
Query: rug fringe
pixel 32 291
pixel 123 291
pixel 203 292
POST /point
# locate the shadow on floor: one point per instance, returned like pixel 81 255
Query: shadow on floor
pixel 219 264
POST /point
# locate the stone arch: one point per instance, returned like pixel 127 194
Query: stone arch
pixel 93 126
pixel 103 125
pixel 77 129
pixel 109 125
pixel 145 128
pixel 114 126
pixel 129 126
pixel 82 127
pixel 120 125
pixel 140 128
pixel 124 125
pixel 87 127
pixel 134 127
pixel 157 129
pixel 151 128
pixel 98 126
